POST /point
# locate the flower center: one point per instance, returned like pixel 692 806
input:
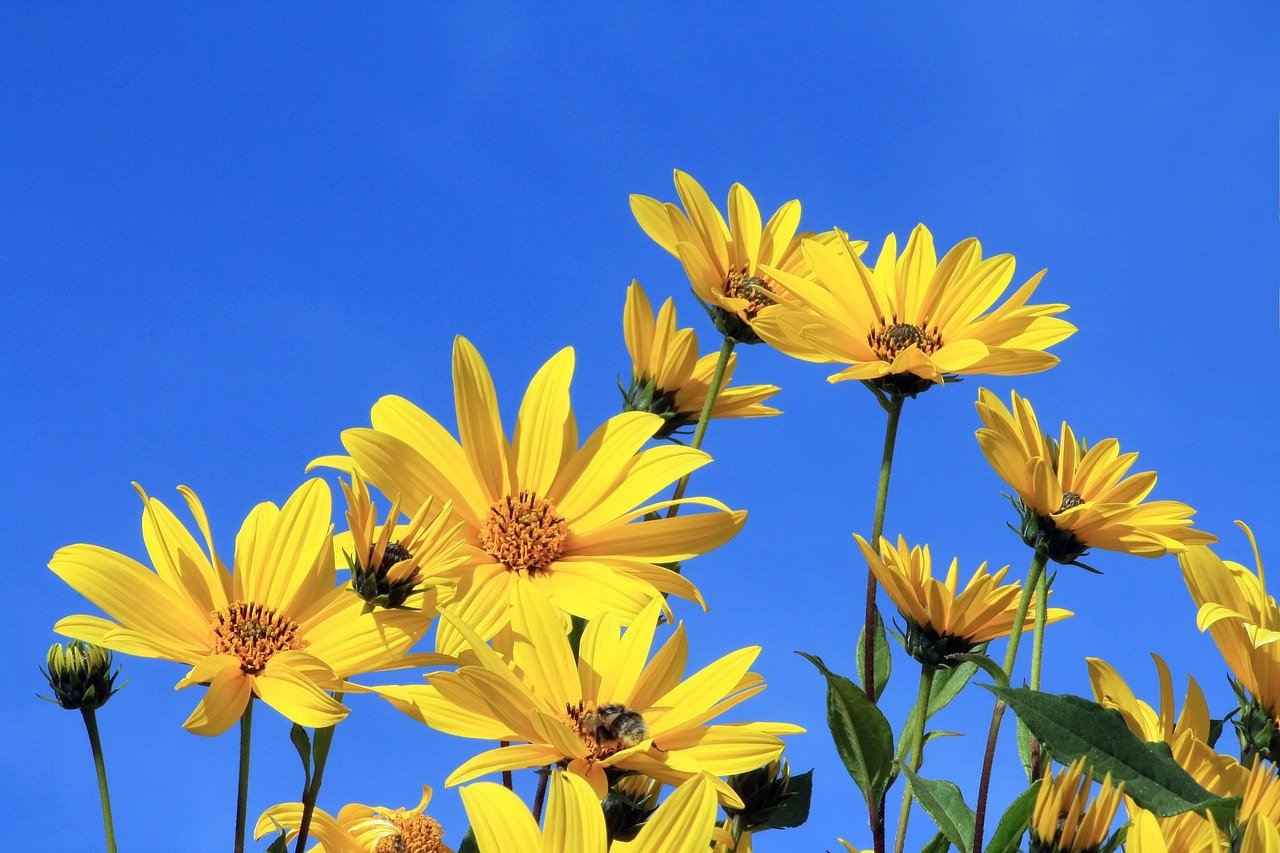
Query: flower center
pixel 252 633
pixel 375 583
pixel 524 533
pixel 607 728
pixel 1070 499
pixel 415 833
pixel 892 338
pixel 751 288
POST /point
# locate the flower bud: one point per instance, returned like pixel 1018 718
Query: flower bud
pixel 80 675
pixel 772 798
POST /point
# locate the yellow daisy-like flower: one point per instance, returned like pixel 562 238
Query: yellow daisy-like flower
pixel 1063 821
pixel 667 377
pixel 1184 833
pixel 277 627
pixel 540 509
pixel 575 824
pixel 389 561
pixel 726 262
pixel 361 829
pixel 941 619
pixel 1072 497
pixel 606 711
pixel 1111 691
pixel 911 321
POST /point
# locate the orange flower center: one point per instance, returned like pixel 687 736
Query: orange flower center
pixel 524 533
pixel 752 288
pixel 415 833
pixel 252 633
pixel 892 338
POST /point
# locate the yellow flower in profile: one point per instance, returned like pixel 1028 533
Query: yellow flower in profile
pixel 667 377
pixel 605 711
pixel 726 262
pixel 361 829
pixel 1063 821
pixel 1072 497
pixel 575 824
pixel 1111 691
pixel 1184 833
pixel 941 619
pixel 540 509
pixel 389 561
pixel 911 321
pixel 277 627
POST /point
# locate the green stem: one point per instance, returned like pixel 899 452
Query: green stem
pixel 894 410
pixel 242 789
pixel 1034 575
pixel 1037 655
pixel 320 745
pixel 704 417
pixel 95 744
pixel 917 752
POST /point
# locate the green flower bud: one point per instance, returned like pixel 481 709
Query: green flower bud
pixel 772 798
pixel 80 676
pixel 630 801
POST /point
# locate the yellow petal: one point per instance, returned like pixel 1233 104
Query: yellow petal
pixel 478 421
pixel 500 820
pixel 541 648
pixel 574 822
pixel 539 437
pixel 285 688
pixel 223 703
pixel 682 824
pixel 518 757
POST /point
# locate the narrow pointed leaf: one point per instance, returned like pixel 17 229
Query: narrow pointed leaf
pixel 939 844
pixel 863 737
pixel 945 804
pixel 302 743
pixel 883 660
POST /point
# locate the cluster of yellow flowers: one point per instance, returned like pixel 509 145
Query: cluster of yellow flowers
pixel 543 564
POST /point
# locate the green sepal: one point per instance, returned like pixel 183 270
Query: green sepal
pixel 945 804
pixel 862 735
pixel 1014 823
pixel 883 660
pixel 1117 838
pixel 1071 727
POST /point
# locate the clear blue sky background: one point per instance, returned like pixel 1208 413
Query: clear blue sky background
pixel 226 231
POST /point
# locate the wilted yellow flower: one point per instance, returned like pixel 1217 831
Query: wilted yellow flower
pixel 575 824
pixel 1063 820
pixel 1074 498
pixel 606 709
pixel 361 829
pixel 725 262
pixel 912 321
pixel 277 628
pixel 1111 691
pixel 941 619
pixel 667 377
pixel 540 509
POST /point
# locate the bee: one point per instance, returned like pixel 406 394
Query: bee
pixel 615 726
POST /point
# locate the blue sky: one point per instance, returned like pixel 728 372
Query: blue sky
pixel 224 233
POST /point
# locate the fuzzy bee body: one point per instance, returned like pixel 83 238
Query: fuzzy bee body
pixel 614 726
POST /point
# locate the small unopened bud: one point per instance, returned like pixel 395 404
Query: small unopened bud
pixel 628 805
pixel 80 676
pixel 772 798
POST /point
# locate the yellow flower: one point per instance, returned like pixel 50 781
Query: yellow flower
pixel 668 378
pixel 1074 498
pixel 911 321
pixel 277 628
pixel 361 829
pixel 388 562
pixel 940 620
pixel 605 711
pixel 725 262
pixel 1184 833
pixel 539 509
pixel 1111 691
pixel 1063 821
pixel 575 824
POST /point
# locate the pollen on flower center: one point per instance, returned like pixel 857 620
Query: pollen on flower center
pixel 1070 499
pixel 751 288
pixel 416 833
pixel 252 633
pixel 524 532
pixel 894 337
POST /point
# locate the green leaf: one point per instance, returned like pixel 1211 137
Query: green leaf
pixel 1014 823
pixel 945 804
pixel 883 660
pixel 794 808
pixel 1024 749
pixel 1070 727
pixel 863 737
pixel 279 845
pixel 1117 838
pixel 468 844
pixel 947 684
pixel 984 663
pixel 939 844
pixel 302 743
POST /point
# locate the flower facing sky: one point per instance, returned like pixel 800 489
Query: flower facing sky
pixel 1063 820
pixel 575 824
pixel 1074 497
pixel 910 321
pixel 942 618
pixel 361 829
pixel 668 378
pixel 726 262
pixel 540 509
pixel 275 627
pixel 608 710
